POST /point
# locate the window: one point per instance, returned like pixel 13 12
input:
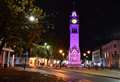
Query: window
pixel 114 45
pixel 74 30
pixel 115 52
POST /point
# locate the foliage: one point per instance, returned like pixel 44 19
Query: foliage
pixel 41 51
pixel 16 30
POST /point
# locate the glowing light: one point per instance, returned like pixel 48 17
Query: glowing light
pixel 32 62
pixel 84 54
pixel 45 44
pixel 95 63
pixel 74 21
pixel 54 61
pixel 65 62
pixel 88 51
pixel 58 62
pixel 99 64
pixel 74 51
pixel 32 18
pixel 60 51
pixel 48 47
pixel 63 54
pixel 13 60
pixel 51 65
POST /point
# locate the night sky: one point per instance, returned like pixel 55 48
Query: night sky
pixel 99 21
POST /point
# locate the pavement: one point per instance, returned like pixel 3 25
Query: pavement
pixel 78 75
pixel 12 75
pixel 99 72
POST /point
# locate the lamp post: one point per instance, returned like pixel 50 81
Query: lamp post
pixel 63 54
pixel 87 56
pixel 49 49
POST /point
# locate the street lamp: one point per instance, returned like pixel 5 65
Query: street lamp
pixel 63 54
pixel 48 47
pixel 60 51
pixel 32 18
pixel 88 51
pixel 45 44
pixel 84 54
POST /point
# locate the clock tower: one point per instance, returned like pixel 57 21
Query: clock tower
pixel 74 50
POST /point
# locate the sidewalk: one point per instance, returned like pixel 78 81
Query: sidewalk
pixel 100 72
pixel 13 75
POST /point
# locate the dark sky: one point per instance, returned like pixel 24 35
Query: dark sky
pixel 99 19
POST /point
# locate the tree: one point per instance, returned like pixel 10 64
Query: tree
pixel 16 30
pixel 40 51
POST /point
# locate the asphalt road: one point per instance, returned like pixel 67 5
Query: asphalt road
pixel 71 76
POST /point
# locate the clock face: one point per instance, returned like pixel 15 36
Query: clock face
pixel 74 21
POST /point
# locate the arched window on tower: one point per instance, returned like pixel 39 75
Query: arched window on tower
pixel 74 30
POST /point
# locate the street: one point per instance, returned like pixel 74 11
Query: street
pixel 71 76
pixel 59 41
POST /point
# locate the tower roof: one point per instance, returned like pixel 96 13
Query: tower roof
pixel 74 14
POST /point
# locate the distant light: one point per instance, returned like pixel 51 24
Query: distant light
pixel 48 46
pixel 95 63
pixel 63 54
pixel 45 44
pixel 88 51
pixel 84 54
pixel 65 62
pixel 51 65
pixel 32 18
pixel 99 64
pixel 58 62
pixel 32 61
pixel 54 61
pixel 60 51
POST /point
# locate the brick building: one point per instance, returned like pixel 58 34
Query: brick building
pixel 111 54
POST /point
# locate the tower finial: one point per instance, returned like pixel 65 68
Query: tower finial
pixel 73 3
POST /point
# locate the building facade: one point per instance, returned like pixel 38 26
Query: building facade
pixel 111 54
pixel 96 57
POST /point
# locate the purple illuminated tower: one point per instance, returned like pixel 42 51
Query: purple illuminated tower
pixel 74 50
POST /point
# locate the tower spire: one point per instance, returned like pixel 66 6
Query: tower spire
pixel 73 3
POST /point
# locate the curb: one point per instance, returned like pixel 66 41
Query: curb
pixel 97 75
pixel 91 74
pixel 102 75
